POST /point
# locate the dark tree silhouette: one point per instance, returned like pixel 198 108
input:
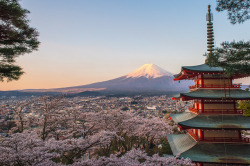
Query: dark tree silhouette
pixel 238 10
pixel 16 38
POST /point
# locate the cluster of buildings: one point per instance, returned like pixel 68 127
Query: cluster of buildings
pixel 145 106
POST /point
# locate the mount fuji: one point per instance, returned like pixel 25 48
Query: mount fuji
pixel 149 71
pixel 149 78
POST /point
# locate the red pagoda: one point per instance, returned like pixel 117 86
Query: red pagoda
pixel 213 125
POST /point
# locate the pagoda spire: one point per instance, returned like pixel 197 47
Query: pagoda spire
pixel 210 33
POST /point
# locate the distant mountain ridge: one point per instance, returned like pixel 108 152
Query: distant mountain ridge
pixel 148 78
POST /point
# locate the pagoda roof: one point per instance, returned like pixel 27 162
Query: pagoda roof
pixel 189 72
pixel 209 152
pixel 205 121
pixel 233 94
pixel 180 143
pixel 203 68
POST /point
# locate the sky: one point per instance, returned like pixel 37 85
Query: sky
pixel 87 41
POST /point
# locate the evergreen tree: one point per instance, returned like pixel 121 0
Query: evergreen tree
pixel 234 57
pixel 16 38
pixel 237 9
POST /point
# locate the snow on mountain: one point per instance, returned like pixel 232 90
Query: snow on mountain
pixel 149 71
pixel 148 78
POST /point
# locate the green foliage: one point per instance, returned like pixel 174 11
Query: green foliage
pixel 12 72
pixel 16 38
pixel 238 10
pixel 234 57
pixel 245 105
pixel 165 148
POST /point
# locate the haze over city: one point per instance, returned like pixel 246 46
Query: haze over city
pixel 91 41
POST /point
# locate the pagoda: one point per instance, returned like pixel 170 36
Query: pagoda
pixel 213 126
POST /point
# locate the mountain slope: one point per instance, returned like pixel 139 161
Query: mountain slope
pixel 148 71
pixel 148 78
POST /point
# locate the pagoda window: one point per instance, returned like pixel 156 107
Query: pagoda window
pixel 222 135
pixel 217 83
pixel 218 101
pixel 219 108
pixel 213 76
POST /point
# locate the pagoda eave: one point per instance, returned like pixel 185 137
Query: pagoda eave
pixel 215 94
pixel 186 147
pixel 236 153
pixel 185 127
pixel 213 122
pixel 189 72
pixel 182 98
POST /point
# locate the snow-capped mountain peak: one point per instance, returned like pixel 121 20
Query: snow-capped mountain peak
pixel 149 71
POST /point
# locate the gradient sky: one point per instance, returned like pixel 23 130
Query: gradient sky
pixel 85 41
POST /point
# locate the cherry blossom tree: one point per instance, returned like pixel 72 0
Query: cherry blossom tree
pixel 152 131
pixel 63 133
pixel 134 158
pixel 52 115
pixel 28 148
pixel 72 149
pixel 246 134
pixel 78 123
pixel 25 149
pixel 136 131
pixel 21 120
pixel 17 116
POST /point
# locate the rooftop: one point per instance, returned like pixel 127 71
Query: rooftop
pixel 209 152
pixel 203 68
pixel 189 72
pixel 226 121
pixel 198 68
pixel 233 94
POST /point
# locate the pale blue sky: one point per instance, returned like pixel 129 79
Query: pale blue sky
pixel 85 41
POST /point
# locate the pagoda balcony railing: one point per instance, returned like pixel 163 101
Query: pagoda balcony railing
pixel 217 139
pixel 216 111
pixel 215 86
